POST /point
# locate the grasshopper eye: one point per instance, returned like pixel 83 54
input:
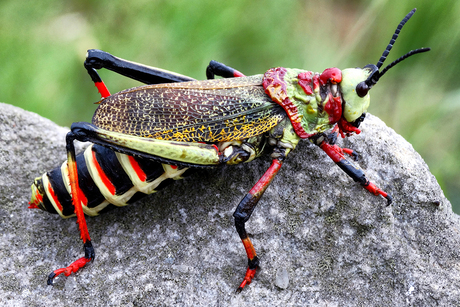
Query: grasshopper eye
pixel 361 89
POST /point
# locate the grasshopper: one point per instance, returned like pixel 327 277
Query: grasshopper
pixel 145 137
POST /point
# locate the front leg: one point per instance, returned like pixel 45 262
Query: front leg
pixel 352 170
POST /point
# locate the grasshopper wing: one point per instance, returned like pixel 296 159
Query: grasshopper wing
pixel 197 111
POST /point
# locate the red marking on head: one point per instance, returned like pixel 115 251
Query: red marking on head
pixel 334 105
pixel 334 108
pixel 331 74
pixel 173 166
pixel 139 172
pixel 346 128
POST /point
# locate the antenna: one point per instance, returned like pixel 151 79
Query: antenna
pixel 393 39
pixel 376 74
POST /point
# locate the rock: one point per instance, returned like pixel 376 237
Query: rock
pixel 339 244
pixel 282 278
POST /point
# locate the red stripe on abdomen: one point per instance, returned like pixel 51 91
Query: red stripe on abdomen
pixel 105 180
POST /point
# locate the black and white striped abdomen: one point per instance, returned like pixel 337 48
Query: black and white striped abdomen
pixel 107 180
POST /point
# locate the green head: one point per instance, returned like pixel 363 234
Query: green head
pixel 354 104
pixel 356 82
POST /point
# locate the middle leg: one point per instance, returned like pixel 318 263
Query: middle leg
pixel 243 213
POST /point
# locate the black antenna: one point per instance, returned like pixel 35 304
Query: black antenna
pixel 410 53
pixel 393 39
pixel 376 74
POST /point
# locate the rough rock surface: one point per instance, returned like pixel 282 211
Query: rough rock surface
pixel 338 244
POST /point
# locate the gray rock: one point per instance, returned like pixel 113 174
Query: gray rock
pixel 282 278
pixel 339 245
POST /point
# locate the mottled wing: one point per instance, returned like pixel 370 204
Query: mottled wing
pixel 197 111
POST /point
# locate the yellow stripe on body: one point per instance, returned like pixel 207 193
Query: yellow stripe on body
pixel 46 184
pixel 144 186
pixel 117 200
pixel 65 175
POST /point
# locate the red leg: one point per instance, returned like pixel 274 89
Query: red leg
pixel 97 59
pixel 243 213
pixel 77 200
pixel 100 85
pixel 336 154
pixel 219 69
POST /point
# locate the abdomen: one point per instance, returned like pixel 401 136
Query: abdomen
pixel 107 180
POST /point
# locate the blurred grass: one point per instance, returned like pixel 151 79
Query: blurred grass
pixel 43 45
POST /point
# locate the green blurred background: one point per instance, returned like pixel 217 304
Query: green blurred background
pixel 43 45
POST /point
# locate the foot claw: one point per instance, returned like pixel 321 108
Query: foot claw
pixel 51 278
pixel 250 273
pixel 389 199
pixel 74 266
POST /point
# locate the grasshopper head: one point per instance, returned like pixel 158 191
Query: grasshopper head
pixel 356 82
pixel 354 94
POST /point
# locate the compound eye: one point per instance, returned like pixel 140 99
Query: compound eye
pixel 361 89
